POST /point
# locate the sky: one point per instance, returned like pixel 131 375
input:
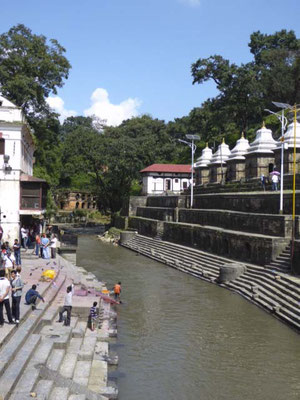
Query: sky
pixel 133 57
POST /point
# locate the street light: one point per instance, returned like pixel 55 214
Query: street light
pixel 283 121
pixel 193 149
pixel 294 108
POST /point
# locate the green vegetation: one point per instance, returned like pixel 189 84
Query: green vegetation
pixel 84 154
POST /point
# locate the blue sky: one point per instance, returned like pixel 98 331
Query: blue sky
pixel 131 57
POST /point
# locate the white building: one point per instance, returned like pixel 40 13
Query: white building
pixel 21 195
pixel 164 178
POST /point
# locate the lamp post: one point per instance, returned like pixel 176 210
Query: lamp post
pixel 294 109
pixel 193 149
pixel 283 121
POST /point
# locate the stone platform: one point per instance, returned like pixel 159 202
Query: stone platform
pixel 43 359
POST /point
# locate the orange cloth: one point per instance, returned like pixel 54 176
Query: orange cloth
pixel 117 288
pixel 38 239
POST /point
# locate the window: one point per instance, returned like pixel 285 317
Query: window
pixel 176 180
pixel 184 185
pixel 168 184
pixel 2 146
pixel 31 195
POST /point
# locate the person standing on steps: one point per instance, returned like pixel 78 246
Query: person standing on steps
pixel 67 306
pixel 16 289
pixel 53 244
pixel 17 252
pixel 31 297
pixel 117 291
pixel 4 298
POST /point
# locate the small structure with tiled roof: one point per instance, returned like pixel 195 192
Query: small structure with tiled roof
pixel 165 178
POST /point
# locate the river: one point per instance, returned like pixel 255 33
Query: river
pixel 180 338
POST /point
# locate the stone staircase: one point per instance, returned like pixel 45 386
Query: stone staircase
pixel 46 360
pixel 283 262
pixel 270 289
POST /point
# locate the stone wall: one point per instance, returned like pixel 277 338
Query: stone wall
pixel 273 225
pixel 162 214
pixel 296 258
pixel 255 249
pixel 146 227
pixel 166 201
pixel 135 202
pixel 264 203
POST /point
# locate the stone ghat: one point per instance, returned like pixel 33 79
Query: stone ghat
pixel 43 359
pixel 248 247
pixel 264 224
pixel 275 292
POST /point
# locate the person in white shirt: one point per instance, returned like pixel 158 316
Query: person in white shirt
pixel 9 263
pixel 24 236
pixel 53 244
pixel 4 298
pixel 67 306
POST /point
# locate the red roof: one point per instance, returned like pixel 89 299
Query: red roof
pixel 177 168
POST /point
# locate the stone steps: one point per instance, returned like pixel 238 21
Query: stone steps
pixel 186 253
pixel 12 374
pixel 274 291
pixel 18 346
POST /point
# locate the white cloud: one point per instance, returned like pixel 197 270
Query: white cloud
pixel 192 3
pixel 57 104
pixel 114 114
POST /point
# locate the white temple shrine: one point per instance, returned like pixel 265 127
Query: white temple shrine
pixel 260 157
pixel 236 160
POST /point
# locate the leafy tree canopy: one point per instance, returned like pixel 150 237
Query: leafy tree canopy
pixel 30 68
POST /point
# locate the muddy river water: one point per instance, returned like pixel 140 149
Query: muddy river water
pixel 184 339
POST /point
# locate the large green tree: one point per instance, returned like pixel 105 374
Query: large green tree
pixel 31 68
pixel 245 90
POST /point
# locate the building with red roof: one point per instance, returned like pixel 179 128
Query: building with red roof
pixel 165 178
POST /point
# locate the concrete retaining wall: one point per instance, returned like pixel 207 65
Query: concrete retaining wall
pixel 256 249
pixel 147 227
pixel 166 201
pixel 273 225
pixel 162 214
pixel 264 203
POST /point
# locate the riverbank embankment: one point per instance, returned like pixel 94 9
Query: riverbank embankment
pixel 274 291
pixel 43 358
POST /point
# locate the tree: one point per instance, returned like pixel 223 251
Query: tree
pixel 30 68
pixel 245 90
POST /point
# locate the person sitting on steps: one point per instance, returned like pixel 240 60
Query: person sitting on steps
pixel 31 297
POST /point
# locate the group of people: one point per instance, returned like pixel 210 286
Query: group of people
pixel 13 288
pixel 45 244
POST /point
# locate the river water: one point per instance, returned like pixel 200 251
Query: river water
pixel 180 338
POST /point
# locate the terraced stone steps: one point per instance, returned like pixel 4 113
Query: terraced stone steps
pixel 20 345
pixel 274 291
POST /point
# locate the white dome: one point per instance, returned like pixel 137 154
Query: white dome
pixel 221 155
pixel 240 149
pixel 205 157
pixel 264 142
pixel 289 136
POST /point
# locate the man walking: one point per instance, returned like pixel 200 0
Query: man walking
pixel 4 298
